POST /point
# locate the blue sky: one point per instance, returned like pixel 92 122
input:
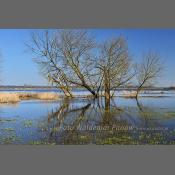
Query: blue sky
pixel 18 68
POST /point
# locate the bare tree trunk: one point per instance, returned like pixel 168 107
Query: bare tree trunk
pixel 107 86
pixel 65 88
pixel 137 93
pixel 91 91
pixel 107 114
pixel 107 93
pixel 107 104
pixel 67 92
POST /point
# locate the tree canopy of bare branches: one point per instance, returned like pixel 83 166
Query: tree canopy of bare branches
pixel 73 58
pixel 148 70
pixel 66 58
pixel 115 65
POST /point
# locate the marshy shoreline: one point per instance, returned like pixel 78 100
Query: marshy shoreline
pixel 14 97
pixel 18 96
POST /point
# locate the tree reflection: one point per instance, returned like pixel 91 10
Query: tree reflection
pixel 91 113
pixel 66 122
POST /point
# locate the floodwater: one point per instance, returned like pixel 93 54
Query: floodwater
pixel 150 120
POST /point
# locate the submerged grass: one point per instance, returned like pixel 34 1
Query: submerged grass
pixel 2 120
pixel 28 123
pixel 9 129
pixel 170 115
pixel 10 139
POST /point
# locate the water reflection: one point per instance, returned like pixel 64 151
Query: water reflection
pixel 99 122
pixel 88 121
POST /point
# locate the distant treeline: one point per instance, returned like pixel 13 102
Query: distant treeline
pixel 11 87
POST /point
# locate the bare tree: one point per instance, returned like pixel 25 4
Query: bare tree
pixel 148 70
pixel 43 46
pixel 115 65
pixel 77 49
pixel 66 58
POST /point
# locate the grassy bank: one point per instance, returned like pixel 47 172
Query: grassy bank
pixel 16 97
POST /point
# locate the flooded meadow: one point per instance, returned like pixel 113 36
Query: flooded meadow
pixel 124 121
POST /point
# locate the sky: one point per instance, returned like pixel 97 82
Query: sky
pixel 18 68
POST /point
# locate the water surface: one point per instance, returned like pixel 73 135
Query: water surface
pixel 150 120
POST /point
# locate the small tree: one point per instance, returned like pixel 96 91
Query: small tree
pixel 148 71
pixel 115 65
